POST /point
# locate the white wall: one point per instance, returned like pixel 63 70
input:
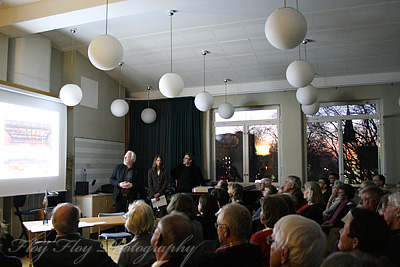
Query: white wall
pixel 3 56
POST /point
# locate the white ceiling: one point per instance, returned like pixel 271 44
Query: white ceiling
pixel 353 41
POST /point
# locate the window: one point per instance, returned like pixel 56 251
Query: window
pixel 246 146
pixel 344 139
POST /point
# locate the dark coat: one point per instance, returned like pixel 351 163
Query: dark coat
pixel 70 250
pixel 195 177
pixel 118 176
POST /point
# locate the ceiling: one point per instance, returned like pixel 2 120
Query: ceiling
pixel 352 41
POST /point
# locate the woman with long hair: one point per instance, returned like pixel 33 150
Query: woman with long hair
pixel 315 202
pixel 158 181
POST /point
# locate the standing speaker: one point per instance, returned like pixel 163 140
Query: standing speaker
pixel 82 188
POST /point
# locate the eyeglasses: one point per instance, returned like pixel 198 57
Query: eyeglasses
pixel 218 224
pixel 270 240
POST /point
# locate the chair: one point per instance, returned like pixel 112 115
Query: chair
pixel 19 201
pixel 119 235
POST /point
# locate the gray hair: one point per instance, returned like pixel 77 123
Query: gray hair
pixel 266 181
pixel 133 154
pixel 294 180
pixel 140 218
pixel 395 198
pixel 337 183
pixel 237 218
pixel 373 192
pixel 65 218
pixel 302 237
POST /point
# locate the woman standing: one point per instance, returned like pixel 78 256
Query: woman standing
pixel 158 181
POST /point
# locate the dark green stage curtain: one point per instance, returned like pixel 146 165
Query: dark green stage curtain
pixel 176 131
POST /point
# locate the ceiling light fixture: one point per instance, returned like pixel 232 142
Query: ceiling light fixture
pixel 171 84
pixel 310 109
pixel 148 114
pixel 71 94
pixel 119 107
pixel 285 28
pixel 105 51
pixel 300 73
pixel 204 101
pixel 226 110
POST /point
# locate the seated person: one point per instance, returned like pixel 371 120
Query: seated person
pixel 370 197
pixel 314 207
pixel 392 218
pixel 326 189
pixel 365 231
pixel 65 220
pixel 208 207
pixel 222 185
pixel 292 186
pixel 233 226
pixel 333 201
pixel 296 241
pixel 9 261
pixel 346 259
pixel 235 191
pixel 222 197
pixel 273 208
pixel 140 221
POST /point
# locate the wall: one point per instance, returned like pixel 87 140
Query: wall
pixel 292 120
pixel 3 56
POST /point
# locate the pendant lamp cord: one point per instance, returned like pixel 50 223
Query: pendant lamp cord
pixel 106 16
pixel 204 76
pixel 73 31
pixel 148 96
pixel 119 74
pixel 171 13
pixel 305 41
pixel 226 95
pixel 284 3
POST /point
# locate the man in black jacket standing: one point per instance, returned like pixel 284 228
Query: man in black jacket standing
pixel 127 184
pixel 187 175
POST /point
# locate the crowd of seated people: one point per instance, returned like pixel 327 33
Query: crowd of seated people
pixel 220 230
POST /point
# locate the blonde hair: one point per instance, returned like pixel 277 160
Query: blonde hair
pixel 237 189
pixel 314 193
pixel 140 218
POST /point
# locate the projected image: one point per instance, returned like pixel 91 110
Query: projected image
pixel 29 142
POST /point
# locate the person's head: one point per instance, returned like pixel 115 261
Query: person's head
pixel 313 193
pixel 208 204
pixel 370 197
pixel 158 163
pixel 233 223
pixel 345 192
pixel 352 259
pixel 129 158
pixel 273 207
pixel 392 211
pixel 292 184
pixel 297 241
pixel 222 196
pixel 65 218
pixel 269 190
pixel 379 180
pixel 264 182
pixel 182 202
pixel 291 201
pixel 365 184
pixel 333 177
pixel 324 183
pixel 398 187
pixel 365 231
pixel 188 159
pixel 383 204
pixel 173 230
pixel 222 185
pixel 235 191
pixel 140 218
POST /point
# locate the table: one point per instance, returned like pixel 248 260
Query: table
pixel 37 227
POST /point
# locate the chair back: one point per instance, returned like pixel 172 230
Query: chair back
pixel 102 214
pixel 19 201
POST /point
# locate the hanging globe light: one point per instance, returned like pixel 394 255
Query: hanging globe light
pixel 310 109
pixel 148 114
pixel 204 101
pixel 307 95
pixel 299 73
pixel 119 107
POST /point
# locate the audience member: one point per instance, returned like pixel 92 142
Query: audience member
pixel 398 187
pixel 314 207
pixel 333 201
pixel 363 185
pixel 256 205
pixel 392 218
pixel 233 226
pixel 379 180
pixel 187 175
pixel 292 186
pixel 60 252
pixel 157 178
pixel 9 261
pixel 290 201
pixel 383 204
pixel 208 207
pixel 353 259
pixel 183 202
pixel 370 198
pixel 326 189
pixel 346 193
pixel 273 207
pixel 222 197
pixel 333 177
pixel 365 231
pixel 140 221
pixel 235 191
pixel 257 225
pixel 172 240
pixel 296 241
pixel 222 185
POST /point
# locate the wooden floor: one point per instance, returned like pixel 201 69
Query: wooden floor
pixel 112 251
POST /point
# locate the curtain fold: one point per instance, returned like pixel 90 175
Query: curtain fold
pixel 176 131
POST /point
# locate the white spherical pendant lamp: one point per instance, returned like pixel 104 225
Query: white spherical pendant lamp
pixel 285 28
pixel 105 52
pixel 299 73
pixel 307 95
pixel 310 109
pixel 148 115
pixel 119 108
pixel 226 110
pixel 204 101
pixel 171 85
pixel 71 94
